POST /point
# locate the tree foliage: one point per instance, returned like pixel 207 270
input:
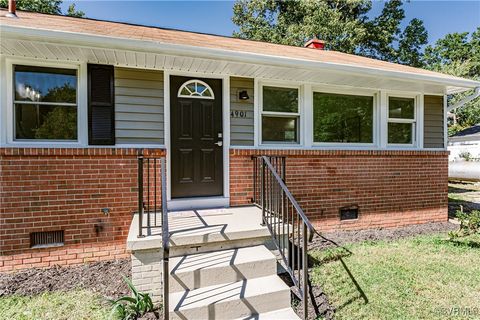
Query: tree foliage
pixel 44 6
pixel 343 24
pixel 458 54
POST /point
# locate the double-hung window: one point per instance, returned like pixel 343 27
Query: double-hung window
pixel 341 118
pixel 45 103
pixel 401 121
pixel 280 115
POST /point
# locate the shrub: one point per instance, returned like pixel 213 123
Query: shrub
pixel 465 155
pixel 131 307
pixel 469 224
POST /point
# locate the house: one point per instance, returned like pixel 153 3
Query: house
pixel 465 141
pixel 464 147
pixel 90 108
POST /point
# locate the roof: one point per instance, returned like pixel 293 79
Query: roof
pixel 37 21
pixel 469 134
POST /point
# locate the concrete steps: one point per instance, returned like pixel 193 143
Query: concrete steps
pixel 240 283
pixel 220 265
pixel 226 266
pixel 282 314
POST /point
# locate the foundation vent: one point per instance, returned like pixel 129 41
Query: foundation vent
pixel 46 239
pixel 349 213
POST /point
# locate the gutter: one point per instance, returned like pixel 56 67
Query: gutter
pixel 77 39
pixel 462 102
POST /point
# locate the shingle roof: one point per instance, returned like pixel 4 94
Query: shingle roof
pixel 472 133
pixel 168 36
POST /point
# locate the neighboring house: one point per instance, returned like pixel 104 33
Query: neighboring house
pixel 464 147
pixel 465 144
pixel 81 99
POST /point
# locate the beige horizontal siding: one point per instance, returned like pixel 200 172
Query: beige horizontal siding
pixel 241 129
pixel 433 134
pixel 139 106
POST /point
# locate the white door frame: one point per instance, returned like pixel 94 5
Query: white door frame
pixel 215 201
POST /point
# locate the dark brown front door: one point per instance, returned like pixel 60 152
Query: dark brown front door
pixel 196 137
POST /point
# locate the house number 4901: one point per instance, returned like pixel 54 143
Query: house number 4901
pixel 238 114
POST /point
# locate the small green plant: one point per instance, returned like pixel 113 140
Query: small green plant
pixel 469 224
pixel 131 307
pixel 465 155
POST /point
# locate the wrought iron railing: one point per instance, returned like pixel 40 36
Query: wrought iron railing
pixel 290 228
pixel 152 202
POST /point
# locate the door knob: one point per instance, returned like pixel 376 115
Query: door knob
pixel 219 143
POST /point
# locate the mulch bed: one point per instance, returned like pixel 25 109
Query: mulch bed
pixel 105 278
pixel 332 239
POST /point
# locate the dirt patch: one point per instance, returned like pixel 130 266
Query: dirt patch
pixel 318 303
pixel 339 238
pixel 105 278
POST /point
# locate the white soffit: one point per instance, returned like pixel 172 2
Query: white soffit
pixel 37 49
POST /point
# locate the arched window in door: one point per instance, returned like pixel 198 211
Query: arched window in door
pixel 195 89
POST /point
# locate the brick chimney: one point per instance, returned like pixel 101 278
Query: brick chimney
pixel 315 44
pixel 12 9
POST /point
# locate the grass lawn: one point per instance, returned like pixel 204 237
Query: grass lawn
pixel 425 277
pixel 55 306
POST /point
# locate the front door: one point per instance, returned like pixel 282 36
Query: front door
pixel 196 137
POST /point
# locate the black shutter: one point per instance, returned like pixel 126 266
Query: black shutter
pixel 101 105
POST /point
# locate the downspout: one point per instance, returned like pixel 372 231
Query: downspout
pixel 469 98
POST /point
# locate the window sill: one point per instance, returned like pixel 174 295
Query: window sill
pixel 45 144
pixel 77 145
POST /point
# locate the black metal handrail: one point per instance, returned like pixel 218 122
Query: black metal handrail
pixel 148 205
pixel 290 228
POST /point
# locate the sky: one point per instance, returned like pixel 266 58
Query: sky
pixel 440 17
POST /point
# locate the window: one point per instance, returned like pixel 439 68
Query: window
pixel 45 103
pixel 401 120
pixel 195 89
pixel 342 118
pixel 280 115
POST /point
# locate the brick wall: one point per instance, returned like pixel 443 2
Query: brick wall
pixel 391 188
pixel 64 256
pixel 65 189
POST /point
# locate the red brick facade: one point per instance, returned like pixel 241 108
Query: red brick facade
pixel 391 188
pixel 62 256
pixel 65 189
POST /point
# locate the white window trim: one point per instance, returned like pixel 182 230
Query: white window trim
pixel 356 92
pixel 82 100
pixel 417 121
pixel 299 115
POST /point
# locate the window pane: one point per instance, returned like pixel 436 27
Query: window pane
pixel 45 122
pixel 279 129
pixel 401 108
pixel 400 133
pixel 45 84
pixel 280 99
pixel 342 118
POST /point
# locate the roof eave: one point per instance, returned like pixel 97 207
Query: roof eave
pixel 452 85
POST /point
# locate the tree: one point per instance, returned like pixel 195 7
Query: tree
pixel 458 54
pixel 343 24
pixel 44 6
pixel 413 38
pixel 339 23
pixel 72 12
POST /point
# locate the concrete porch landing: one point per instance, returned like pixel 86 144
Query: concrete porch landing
pixel 199 230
